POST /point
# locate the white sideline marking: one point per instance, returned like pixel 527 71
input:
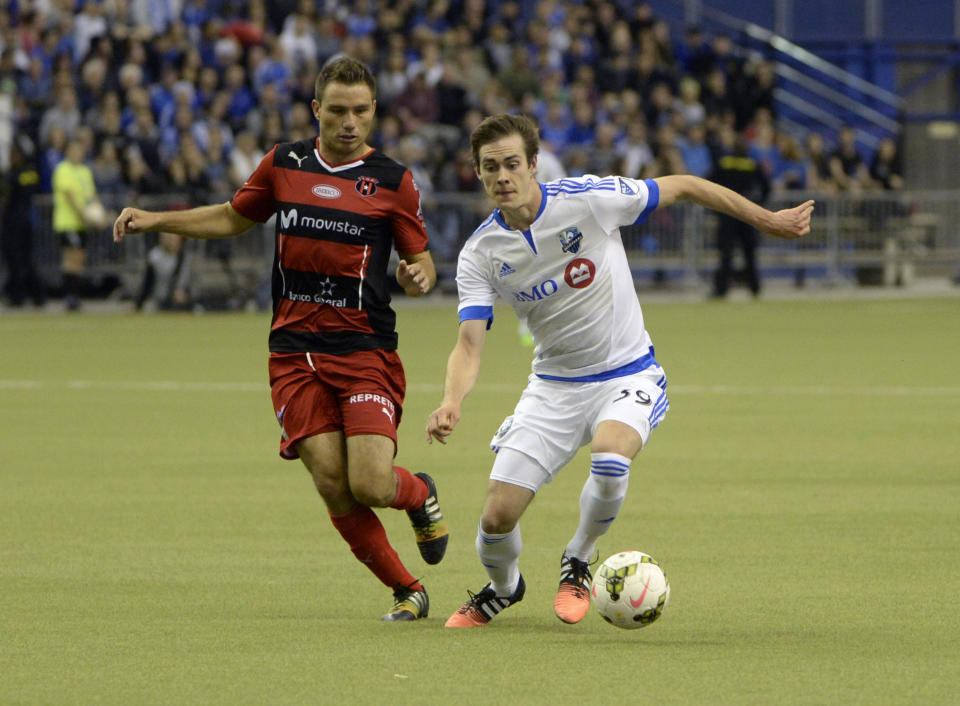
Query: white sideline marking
pixel 201 386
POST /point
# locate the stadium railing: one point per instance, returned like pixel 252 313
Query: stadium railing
pixel 876 238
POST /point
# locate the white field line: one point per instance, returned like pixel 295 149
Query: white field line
pixel 209 386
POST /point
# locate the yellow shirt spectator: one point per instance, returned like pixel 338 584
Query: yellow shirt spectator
pixel 73 189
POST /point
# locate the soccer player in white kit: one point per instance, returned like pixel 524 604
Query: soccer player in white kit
pixel 554 252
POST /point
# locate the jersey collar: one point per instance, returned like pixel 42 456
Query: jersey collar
pixel 527 234
pixel 338 167
pixel 498 216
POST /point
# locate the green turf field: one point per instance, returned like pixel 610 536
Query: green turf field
pixel 803 495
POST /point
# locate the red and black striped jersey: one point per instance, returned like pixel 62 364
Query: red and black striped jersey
pixel 336 225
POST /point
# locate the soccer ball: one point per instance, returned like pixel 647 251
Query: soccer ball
pixel 630 590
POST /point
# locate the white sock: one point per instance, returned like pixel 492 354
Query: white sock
pixel 500 556
pixel 600 501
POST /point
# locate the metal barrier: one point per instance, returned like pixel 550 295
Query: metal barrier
pixel 876 238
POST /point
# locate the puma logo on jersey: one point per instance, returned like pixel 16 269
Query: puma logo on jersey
pixel 294 155
pixel 388 413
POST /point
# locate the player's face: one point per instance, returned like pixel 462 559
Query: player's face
pixel 345 116
pixel 506 175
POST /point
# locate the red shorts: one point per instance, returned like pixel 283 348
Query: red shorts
pixel 315 393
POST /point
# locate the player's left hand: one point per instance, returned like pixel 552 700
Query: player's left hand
pixel 412 277
pixel 792 222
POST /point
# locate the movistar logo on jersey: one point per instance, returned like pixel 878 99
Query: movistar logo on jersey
pixel 292 218
pixel 625 188
pixel 570 240
pixel 505 270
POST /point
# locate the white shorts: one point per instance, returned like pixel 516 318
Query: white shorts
pixel 554 419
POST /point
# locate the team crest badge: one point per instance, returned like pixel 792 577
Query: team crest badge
pixel 570 240
pixel 367 186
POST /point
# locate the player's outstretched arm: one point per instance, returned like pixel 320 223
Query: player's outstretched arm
pixel 463 366
pixel 215 221
pixel 788 223
pixel 416 273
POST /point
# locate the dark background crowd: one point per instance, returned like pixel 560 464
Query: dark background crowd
pixel 186 96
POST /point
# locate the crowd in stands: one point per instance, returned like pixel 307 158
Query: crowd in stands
pixel 186 96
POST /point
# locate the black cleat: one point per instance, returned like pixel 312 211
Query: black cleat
pixel 482 606
pixel 408 605
pixel 429 525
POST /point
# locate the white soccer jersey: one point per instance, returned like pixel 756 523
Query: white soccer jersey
pixel 567 277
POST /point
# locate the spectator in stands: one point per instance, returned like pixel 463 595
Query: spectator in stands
pixel 604 155
pixel 688 103
pixel 762 143
pixel 168 278
pixel 89 23
pixel 108 171
pixel 417 106
pixel 328 38
pixel 740 173
pixel 299 43
pixel 657 109
pixel 244 158
pixel 19 184
pixel 555 125
pixel 791 174
pixel 886 169
pixel 694 54
pixel 76 210
pixel 430 64
pixel 452 97
pixel 517 77
pixel 53 152
pixel 716 99
pixel 695 152
pixel 818 174
pixel 64 114
pixel 300 122
pixel 583 128
pixel 241 98
pixel 755 93
pixel 35 86
pixel 138 176
pixel 217 169
pixel 272 131
pixel 846 165
pixel 637 155
pixel 393 78
pixel 473 71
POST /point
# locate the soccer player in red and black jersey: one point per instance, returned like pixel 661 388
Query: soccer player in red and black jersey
pixel 336 380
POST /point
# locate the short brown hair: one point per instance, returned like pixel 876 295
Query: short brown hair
pixel 347 71
pixel 496 127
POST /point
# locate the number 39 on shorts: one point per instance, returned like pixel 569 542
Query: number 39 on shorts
pixel 638 396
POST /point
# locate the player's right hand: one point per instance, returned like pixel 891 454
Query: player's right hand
pixel 130 220
pixel 441 422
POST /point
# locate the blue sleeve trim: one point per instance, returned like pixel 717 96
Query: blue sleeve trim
pixel 653 200
pixel 469 313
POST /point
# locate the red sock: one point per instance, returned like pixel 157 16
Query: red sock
pixel 368 541
pixel 411 491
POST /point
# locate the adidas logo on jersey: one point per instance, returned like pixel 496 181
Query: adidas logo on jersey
pixel 505 270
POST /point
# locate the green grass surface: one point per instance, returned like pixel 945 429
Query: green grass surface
pixel 803 495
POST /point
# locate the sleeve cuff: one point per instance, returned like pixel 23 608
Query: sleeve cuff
pixel 653 200
pixel 469 313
